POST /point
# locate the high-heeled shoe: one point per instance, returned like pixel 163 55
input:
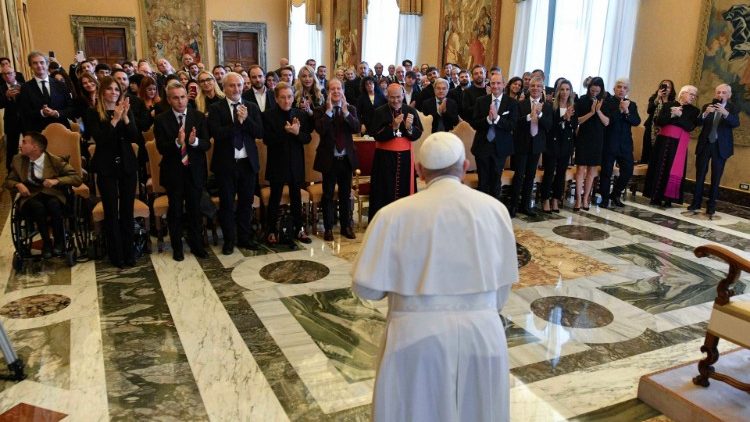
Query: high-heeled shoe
pixel 577 206
pixel 555 206
pixel 586 203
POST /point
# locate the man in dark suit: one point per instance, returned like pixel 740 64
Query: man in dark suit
pixel 715 144
pixel 529 139
pixel 428 92
pixel 618 143
pixel 321 75
pixel 411 89
pixel 444 111
pixel 10 87
pixel 353 87
pixel 235 124
pixel 335 157
pixel 286 131
pixel 182 139
pixel 43 100
pixel 473 92
pixel 457 93
pixel 494 120
pixel 258 94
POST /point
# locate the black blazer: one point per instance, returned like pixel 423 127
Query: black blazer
pixel 618 137
pixel 366 108
pixel 325 126
pixel 249 96
pixel 724 138
pixel 524 143
pixel 383 117
pixel 31 101
pixel 502 146
pixel 416 91
pixel 450 117
pixel 352 90
pixel 424 95
pixel 286 154
pixel 112 142
pixel 223 129
pixel 561 136
pixel 469 99
pixel 165 133
pixel 12 116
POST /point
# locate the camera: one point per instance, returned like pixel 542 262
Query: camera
pixel 664 86
pixel 716 101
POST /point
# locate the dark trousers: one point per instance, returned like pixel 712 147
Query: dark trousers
pixel 39 209
pixel 295 203
pixel 625 163
pixel 489 172
pixel 12 135
pixel 553 181
pixel 341 175
pixel 118 196
pixel 185 192
pixel 239 183
pixel 709 153
pixel 523 178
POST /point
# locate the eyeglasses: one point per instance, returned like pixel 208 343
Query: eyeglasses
pixel 203 81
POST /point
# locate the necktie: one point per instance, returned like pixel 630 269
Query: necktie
pixel 338 128
pixel 440 124
pixel 183 149
pixel 45 91
pixel 491 130
pixel 714 127
pixel 534 125
pixel 32 175
pixel 236 136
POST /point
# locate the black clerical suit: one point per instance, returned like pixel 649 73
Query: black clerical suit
pixel 618 148
pixel 11 119
pixel 286 161
pixel 493 141
pixel 32 99
pixel 717 149
pixel 469 99
pixel 444 122
pixel 249 96
pixel 184 182
pixel 235 176
pixel 336 159
pixel 527 149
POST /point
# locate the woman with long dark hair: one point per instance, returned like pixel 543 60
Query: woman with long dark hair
pixel 556 155
pixel 112 126
pixel 589 141
pixel 514 88
pixel 664 94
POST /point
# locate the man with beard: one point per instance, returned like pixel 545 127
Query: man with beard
pixel 259 94
pixel 472 93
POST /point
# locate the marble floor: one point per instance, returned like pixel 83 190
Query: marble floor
pixel 605 296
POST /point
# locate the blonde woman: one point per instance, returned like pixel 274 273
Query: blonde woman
pixel 559 146
pixel 307 94
pixel 208 92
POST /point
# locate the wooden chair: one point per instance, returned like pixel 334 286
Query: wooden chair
pixel 158 199
pixel 730 319
pixel 365 150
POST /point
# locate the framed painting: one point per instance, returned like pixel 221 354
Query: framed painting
pixel 172 28
pixel 347 33
pixel 469 32
pixel 723 56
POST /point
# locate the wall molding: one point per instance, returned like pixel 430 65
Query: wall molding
pixel 78 22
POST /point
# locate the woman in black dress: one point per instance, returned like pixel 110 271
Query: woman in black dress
pixel 663 94
pixel 370 99
pixel 666 169
pixel 556 155
pixel 589 140
pixel 112 126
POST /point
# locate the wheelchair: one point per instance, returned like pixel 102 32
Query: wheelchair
pixel 25 235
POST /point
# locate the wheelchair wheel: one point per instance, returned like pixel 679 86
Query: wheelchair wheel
pixel 17 261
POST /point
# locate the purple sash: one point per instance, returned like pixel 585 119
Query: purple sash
pixel 676 173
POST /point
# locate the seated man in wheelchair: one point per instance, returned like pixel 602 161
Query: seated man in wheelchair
pixel 39 177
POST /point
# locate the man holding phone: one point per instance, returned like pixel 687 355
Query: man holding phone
pixel 9 90
pixel 43 100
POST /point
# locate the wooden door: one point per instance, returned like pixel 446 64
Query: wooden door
pixel 240 47
pixel 107 45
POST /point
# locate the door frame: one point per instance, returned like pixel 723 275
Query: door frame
pixel 258 28
pixel 79 22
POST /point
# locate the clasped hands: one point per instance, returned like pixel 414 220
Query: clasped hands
pixel 121 112
pixel 408 121
pixel 191 137
pixel 292 127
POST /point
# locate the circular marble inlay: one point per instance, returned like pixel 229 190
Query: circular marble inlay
pixel 700 216
pixel 578 232
pixel 35 306
pixel 524 256
pixel 294 271
pixel 572 312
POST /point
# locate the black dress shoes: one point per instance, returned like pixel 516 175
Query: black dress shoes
pixel 528 211
pixel 199 253
pixel 618 202
pixel 178 256
pixel 693 208
pixel 328 235
pixel 348 233
pixel 227 249
pixel 246 244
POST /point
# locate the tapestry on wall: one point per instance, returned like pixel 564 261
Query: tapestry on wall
pixel 347 33
pixel 172 28
pixel 723 56
pixel 469 32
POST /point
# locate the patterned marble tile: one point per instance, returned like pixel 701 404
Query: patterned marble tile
pixel 679 283
pixel 552 262
pixel 45 352
pixel 146 368
pixel 741 226
pixel 52 272
pixel 630 410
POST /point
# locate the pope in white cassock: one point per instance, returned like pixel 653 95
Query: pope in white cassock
pixel 446 259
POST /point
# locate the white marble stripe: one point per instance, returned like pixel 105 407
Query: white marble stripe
pixel 231 384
